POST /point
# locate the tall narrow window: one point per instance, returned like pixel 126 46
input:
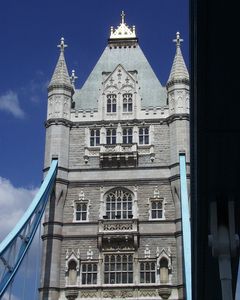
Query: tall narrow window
pixel 89 273
pixel 147 272
pixel 143 135
pixel 119 204
pixel 111 103
pixel 118 269
pixel 127 135
pixel 127 102
pixel 81 212
pixel 111 136
pixel 156 209
pixel 164 276
pixel 94 137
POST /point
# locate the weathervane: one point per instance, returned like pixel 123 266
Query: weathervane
pixel 178 40
pixel 62 45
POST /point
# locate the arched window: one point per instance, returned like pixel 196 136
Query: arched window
pixel 127 135
pixel 94 137
pixel 72 272
pixel 111 103
pixel 164 276
pixel 144 136
pixel 127 102
pixel 119 204
pixel 111 136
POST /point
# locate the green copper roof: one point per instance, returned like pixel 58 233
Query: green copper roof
pixel 151 90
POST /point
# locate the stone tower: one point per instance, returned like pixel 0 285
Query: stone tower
pixel 113 224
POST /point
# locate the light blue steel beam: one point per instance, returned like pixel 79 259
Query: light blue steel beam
pixel 186 227
pixel 14 247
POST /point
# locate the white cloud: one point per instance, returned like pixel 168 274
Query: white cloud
pixel 9 102
pixel 6 296
pixel 13 204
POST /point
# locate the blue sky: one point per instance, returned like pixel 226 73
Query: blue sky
pixel 30 31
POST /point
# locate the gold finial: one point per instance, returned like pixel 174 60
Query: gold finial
pixel 123 17
pixel 62 45
pixel 178 40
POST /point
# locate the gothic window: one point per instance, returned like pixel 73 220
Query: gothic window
pixel 72 272
pixel 81 211
pixel 156 209
pixel 94 137
pixel 143 135
pixel 127 102
pixel 89 273
pixel 147 272
pixel 118 269
pixel 119 204
pixel 111 136
pixel 127 135
pixel 164 275
pixel 111 103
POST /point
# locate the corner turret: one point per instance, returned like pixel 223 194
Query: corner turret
pixel 60 89
pixel 178 82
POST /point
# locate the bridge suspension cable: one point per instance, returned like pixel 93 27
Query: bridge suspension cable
pixel 15 246
pixel 186 227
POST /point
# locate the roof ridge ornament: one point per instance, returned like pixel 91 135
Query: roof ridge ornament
pixel 123 31
pixel 73 77
pixel 178 40
pixel 62 45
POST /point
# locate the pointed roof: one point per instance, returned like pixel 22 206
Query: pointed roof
pixel 60 74
pixel 179 70
pixel 132 59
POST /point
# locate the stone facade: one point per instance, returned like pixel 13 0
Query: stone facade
pixel 113 224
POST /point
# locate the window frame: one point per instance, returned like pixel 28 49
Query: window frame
pixel 145 271
pixel 127 137
pixel 127 103
pixel 92 273
pixel 95 137
pixel 144 138
pixel 151 201
pixel 115 269
pixel 116 209
pixel 111 139
pixel 81 202
pixel 111 103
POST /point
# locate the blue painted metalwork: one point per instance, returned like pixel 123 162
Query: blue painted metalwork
pixel 14 247
pixel 186 227
pixel 237 294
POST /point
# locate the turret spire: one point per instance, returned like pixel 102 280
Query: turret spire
pixel 179 70
pixel 60 75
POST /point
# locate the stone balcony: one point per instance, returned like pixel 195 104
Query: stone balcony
pixel 112 232
pixel 118 155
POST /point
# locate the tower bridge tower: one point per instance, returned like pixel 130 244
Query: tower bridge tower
pixel 113 225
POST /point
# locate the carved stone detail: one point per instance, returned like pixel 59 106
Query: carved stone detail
pixel 164 293
pixel 148 293
pixel 118 294
pixel 89 294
